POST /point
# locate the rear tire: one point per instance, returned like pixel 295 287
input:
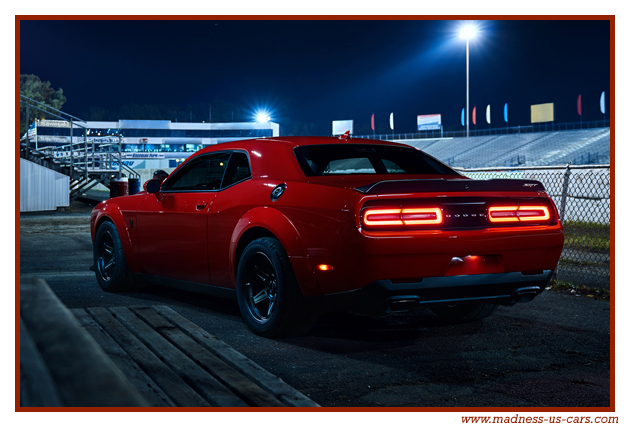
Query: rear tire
pixel 110 264
pixel 268 294
pixel 464 313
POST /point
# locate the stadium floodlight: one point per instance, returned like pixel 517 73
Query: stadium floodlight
pixel 467 32
pixel 263 117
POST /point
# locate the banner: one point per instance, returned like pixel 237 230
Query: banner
pixel 602 107
pixel 463 109
pixel 542 113
pixel 372 121
pixel 488 114
pixel 579 105
pixel 505 116
pixel 391 121
pixel 429 121
pixel 339 127
pixel 474 117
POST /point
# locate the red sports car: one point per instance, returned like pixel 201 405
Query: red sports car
pixel 294 227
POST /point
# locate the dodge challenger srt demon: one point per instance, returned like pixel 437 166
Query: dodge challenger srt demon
pixel 294 227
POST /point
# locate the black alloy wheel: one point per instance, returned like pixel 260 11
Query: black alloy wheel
pixel 110 264
pixel 261 287
pixel 268 294
pixel 106 261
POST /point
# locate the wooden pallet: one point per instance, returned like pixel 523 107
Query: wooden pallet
pixel 173 362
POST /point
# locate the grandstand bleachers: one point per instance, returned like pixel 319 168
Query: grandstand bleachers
pixel 586 146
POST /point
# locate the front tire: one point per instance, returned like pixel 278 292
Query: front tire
pixel 268 294
pixel 464 313
pixel 110 264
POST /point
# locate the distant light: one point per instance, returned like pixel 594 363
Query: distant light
pixel 262 117
pixel 467 32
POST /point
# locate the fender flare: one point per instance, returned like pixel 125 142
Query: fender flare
pixel 283 229
pixel 111 211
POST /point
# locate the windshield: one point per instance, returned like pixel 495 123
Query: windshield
pixel 353 159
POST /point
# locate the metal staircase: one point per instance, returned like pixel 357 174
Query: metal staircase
pixel 86 162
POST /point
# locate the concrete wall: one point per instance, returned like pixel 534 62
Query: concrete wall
pixel 42 189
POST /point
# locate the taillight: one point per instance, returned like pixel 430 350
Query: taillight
pixel 402 217
pixel 518 213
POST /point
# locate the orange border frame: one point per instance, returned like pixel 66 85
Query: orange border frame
pixel 610 18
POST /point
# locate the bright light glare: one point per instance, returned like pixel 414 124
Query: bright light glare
pixel 262 117
pixel 467 32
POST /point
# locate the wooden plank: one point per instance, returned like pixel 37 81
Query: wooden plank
pixel 37 387
pixel 138 378
pixel 247 390
pixel 247 367
pixel 83 373
pixel 176 388
pixel 204 383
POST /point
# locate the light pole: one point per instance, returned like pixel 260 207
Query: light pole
pixel 467 32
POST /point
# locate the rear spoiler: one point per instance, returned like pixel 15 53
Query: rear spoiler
pixel 450 185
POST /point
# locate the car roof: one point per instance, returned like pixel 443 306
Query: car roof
pixel 294 141
pixel 282 163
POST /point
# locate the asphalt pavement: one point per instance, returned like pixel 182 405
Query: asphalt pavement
pixel 552 352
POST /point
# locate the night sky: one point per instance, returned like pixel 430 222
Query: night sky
pixel 319 71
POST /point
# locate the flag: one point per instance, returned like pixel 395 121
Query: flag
pixel 474 118
pixel 488 114
pixel 505 113
pixel 372 121
pixel 463 109
pixel 579 104
pixel 391 121
pixel 602 107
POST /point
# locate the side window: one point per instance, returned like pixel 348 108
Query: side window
pixel 392 167
pixel 237 170
pixel 349 166
pixel 205 173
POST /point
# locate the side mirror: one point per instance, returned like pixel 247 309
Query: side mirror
pixel 153 186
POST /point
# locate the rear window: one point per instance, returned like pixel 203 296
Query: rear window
pixel 355 159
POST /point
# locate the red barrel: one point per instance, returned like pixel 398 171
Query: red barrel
pixel 118 187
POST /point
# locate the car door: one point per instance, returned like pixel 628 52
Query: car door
pixel 237 196
pixel 172 224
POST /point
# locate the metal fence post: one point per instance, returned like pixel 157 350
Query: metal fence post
pixel 119 157
pixel 565 190
pixel 71 152
pixel 85 150
pixel 563 204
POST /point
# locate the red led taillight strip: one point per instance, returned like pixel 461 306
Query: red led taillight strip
pixel 518 213
pixel 411 216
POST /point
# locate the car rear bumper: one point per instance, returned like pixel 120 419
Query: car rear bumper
pixel 387 296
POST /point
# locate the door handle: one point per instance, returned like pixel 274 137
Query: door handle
pixel 201 205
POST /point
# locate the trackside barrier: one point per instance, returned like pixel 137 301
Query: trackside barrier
pixel 582 195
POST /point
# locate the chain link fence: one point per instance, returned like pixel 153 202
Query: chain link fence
pixel 582 195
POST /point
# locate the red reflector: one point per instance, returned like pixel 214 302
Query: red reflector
pixel 407 216
pixel 518 213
